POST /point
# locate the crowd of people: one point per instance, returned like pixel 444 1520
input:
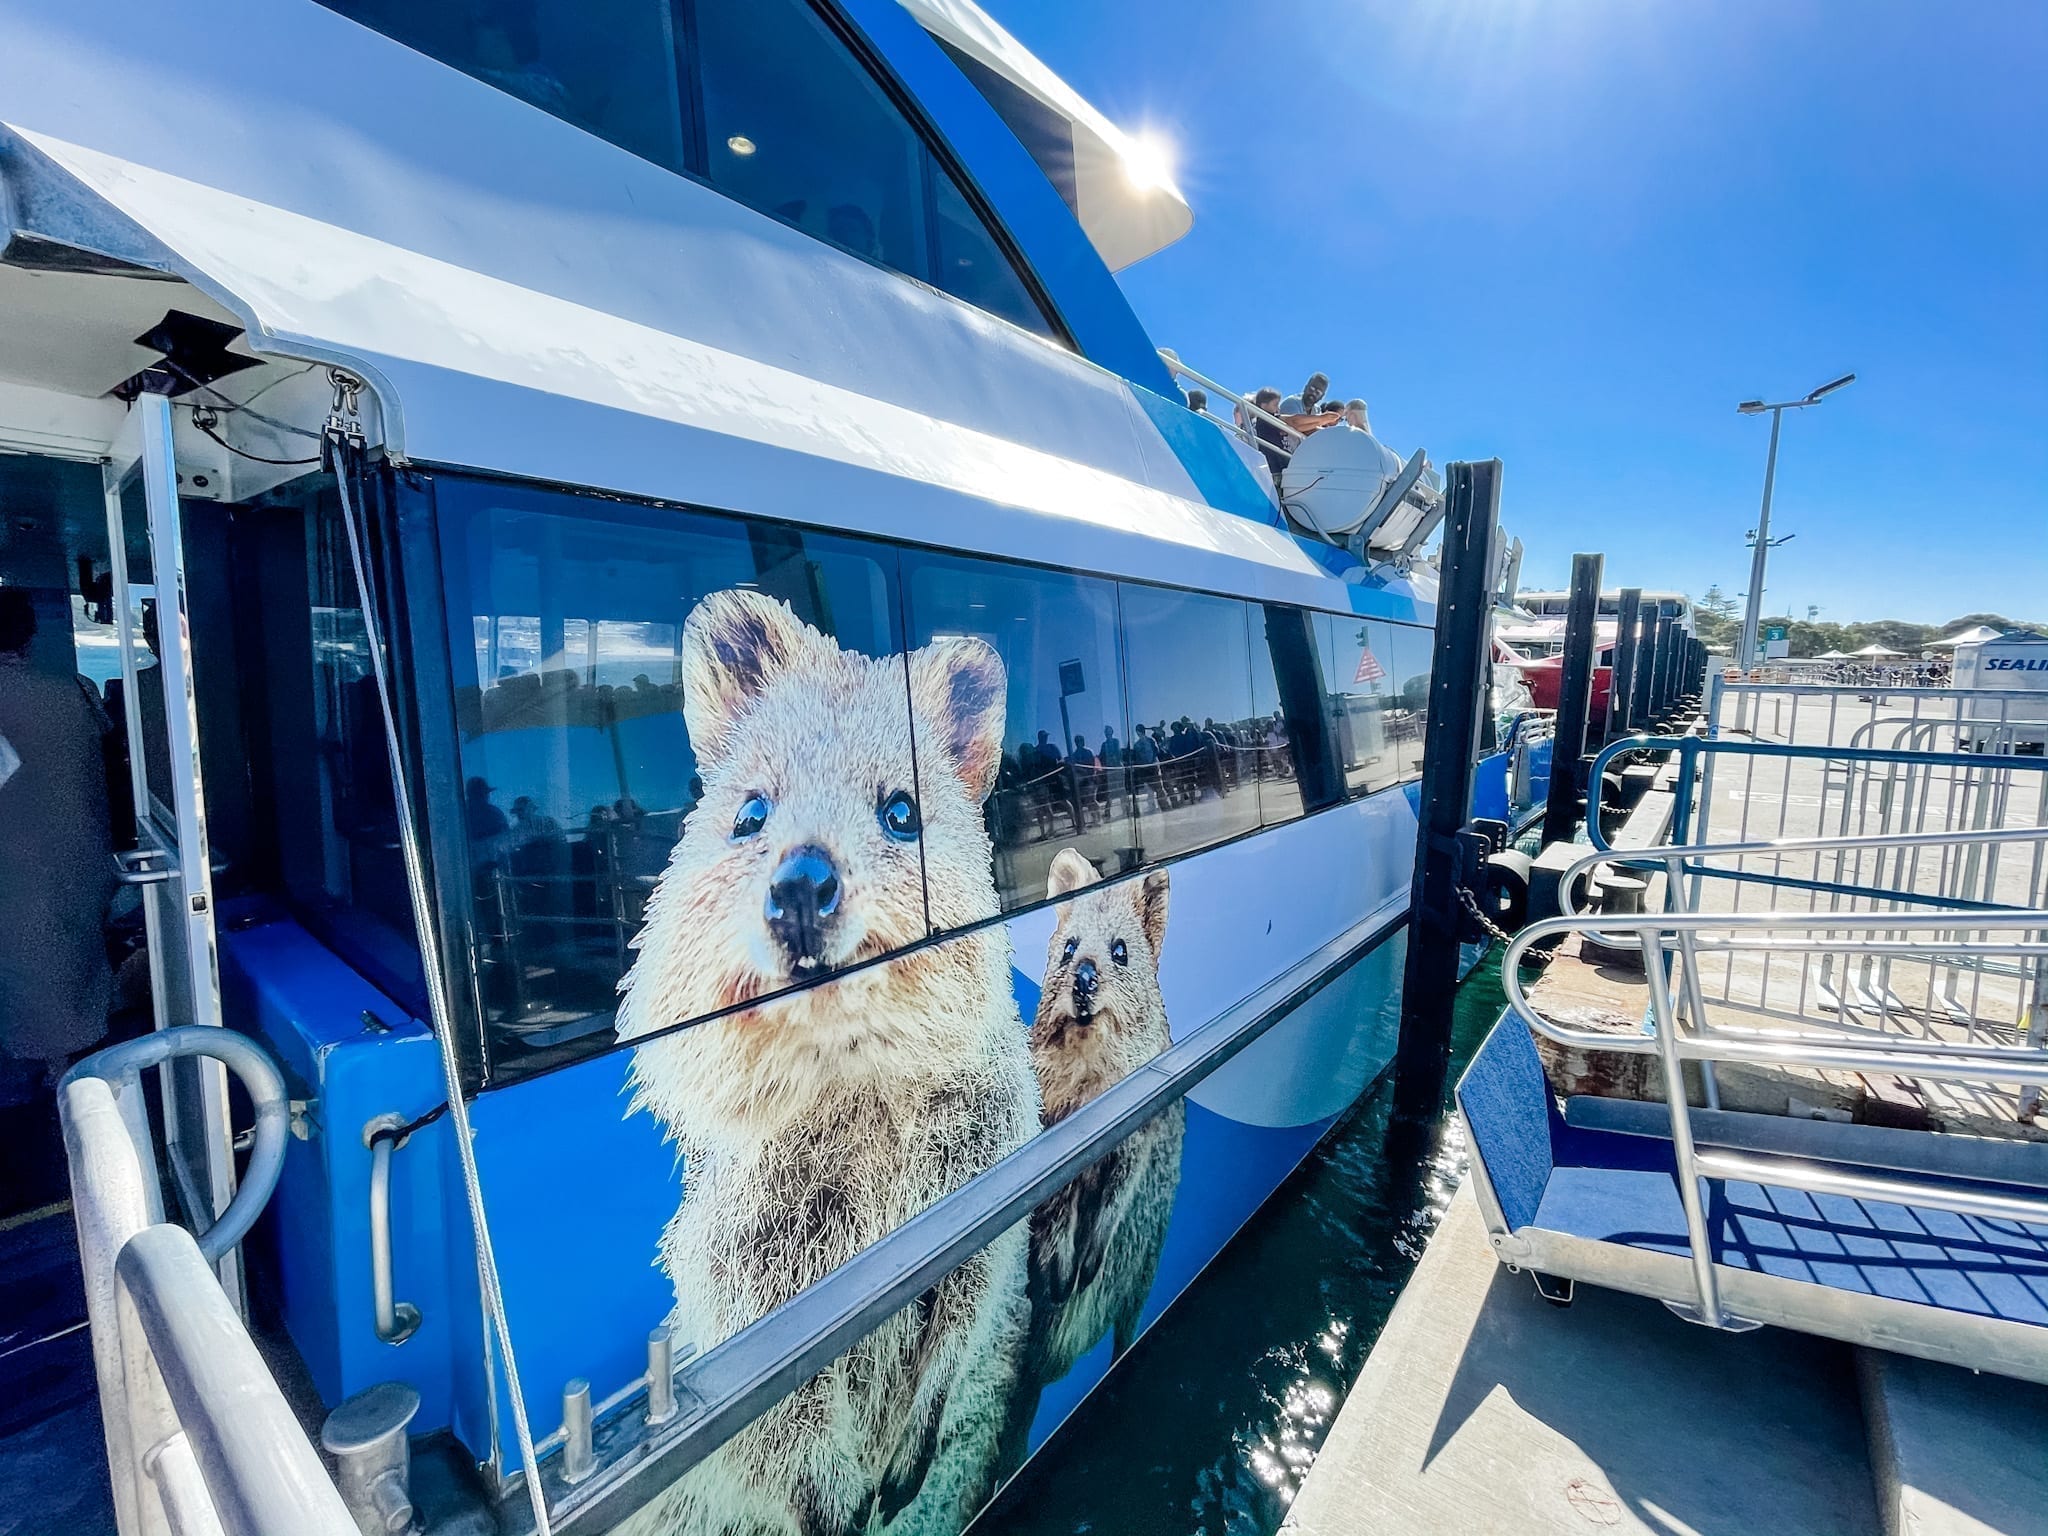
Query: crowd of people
pixel 1314 409
pixel 1174 764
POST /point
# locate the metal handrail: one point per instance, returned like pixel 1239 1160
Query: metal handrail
pixel 121 1067
pixel 1918 1058
pixel 1674 1047
pixel 1691 749
pixel 1182 370
pixel 1678 858
pixel 200 1441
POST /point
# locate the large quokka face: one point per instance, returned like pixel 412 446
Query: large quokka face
pixel 807 852
pixel 1100 1013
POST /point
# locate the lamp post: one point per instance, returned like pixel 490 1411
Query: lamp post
pixel 1752 611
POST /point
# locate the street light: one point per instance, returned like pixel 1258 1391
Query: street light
pixel 1761 538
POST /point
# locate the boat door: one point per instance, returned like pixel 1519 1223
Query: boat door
pixel 170 862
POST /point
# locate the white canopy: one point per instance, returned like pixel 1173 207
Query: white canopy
pixel 1832 656
pixel 1123 193
pixel 1878 650
pixel 1976 634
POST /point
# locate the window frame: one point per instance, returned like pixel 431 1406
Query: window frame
pixel 419 614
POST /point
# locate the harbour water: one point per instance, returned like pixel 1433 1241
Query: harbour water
pixel 1209 1426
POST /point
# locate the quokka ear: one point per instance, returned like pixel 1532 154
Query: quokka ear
pixel 1070 871
pixel 735 644
pixel 957 692
pixel 1151 903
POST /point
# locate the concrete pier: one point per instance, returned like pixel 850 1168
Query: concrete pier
pixel 1486 1411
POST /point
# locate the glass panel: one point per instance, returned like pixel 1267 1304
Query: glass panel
pixel 973 267
pixel 1191 766
pixel 1056 637
pixel 1355 658
pixel 795 126
pixel 1414 652
pixel 1300 771
pixel 135 529
pixel 608 66
pixel 575 668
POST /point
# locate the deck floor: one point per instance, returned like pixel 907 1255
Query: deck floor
pixel 1485 1410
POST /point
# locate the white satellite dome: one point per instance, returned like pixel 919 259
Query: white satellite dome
pixel 1336 476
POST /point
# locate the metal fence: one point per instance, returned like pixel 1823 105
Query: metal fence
pixel 200 1441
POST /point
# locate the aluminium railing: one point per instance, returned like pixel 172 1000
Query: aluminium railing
pixel 1678 938
pixel 200 1441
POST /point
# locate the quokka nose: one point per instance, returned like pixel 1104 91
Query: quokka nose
pixel 802 897
pixel 1084 979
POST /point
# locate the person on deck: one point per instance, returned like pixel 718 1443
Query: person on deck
pixel 56 863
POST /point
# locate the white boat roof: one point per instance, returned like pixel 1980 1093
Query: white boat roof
pixel 1125 199
pixel 508 287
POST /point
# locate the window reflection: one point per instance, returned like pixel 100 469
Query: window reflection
pixel 1414 653
pixel 577 760
pixel 1057 636
pixel 1359 700
pixel 1301 770
pixel 1195 756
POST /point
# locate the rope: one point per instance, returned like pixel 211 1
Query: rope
pixel 430 966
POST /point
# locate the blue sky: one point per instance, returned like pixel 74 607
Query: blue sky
pixel 1574 233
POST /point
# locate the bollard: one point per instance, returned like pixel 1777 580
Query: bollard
pixel 579 1454
pixel 373 1462
pixel 661 1376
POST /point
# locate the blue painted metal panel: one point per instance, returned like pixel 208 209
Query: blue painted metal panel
pixel 1490 788
pixel 1205 452
pixel 280 985
pixel 1082 288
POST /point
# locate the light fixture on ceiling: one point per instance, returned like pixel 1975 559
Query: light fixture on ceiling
pixel 740 144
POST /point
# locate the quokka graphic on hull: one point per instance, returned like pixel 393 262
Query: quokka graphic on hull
pixel 814 1123
pixel 1095 1245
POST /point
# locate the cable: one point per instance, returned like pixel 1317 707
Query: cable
pixel 243 452
pixel 437 1003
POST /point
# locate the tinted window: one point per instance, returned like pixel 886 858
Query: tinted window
pixel 765 99
pixel 1057 638
pixel 795 126
pixel 1359 700
pixel 1299 768
pixel 1191 764
pixel 571 660
pixel 972 266
pixel 608 66
pixel 1414 650
pixel 319 773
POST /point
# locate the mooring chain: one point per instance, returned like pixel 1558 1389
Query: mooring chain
pixel 1494 930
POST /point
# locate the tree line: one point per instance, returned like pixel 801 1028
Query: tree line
pixel 1717 620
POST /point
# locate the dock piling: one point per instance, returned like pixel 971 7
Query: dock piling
pixel 1574 701
pixel 1457 694
pixel 1622 681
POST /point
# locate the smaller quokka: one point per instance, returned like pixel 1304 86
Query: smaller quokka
pixel 1095 1245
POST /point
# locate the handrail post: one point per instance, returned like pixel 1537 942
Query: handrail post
pixel 1681 1128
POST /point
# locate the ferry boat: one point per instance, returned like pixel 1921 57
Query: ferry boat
pixel 778 839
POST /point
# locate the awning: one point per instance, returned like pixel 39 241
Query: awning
pixel 1118 187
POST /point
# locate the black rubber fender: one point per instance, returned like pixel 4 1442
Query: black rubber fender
pixel 1503 892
